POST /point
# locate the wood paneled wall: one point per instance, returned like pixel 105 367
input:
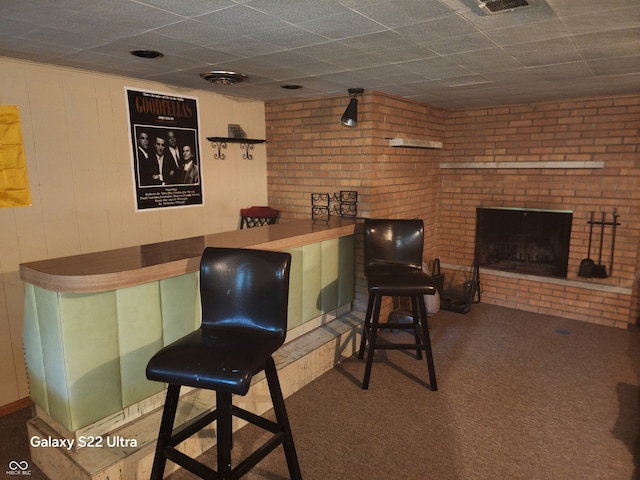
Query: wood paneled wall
pixel 75 132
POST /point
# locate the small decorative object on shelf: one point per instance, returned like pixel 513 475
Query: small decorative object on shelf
pixel 344 204
pixel 236 131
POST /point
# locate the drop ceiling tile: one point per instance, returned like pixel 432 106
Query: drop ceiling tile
pixel 206 55
pixel 394 14
pixel 193 32
pixel 489 60
pixel 435 68
pixel 545 47
pixel 289 37
pixel 241 18
pixel 358 61
pixel 342 25
pixel 283 58
pixel 317 68
pixel 615 19
pixel 38 12
pixel 390 74
pixel 84 24
pixel 551 58
pixel 94 58
pixel 466 43
pixel 377 42
pixel 328 50
pixel 190 9
pixel 565 9
pixel 563 71
pixel 125 15
pixel 16 28
pixel 531 32
pixel 406 53
pixel 299 11
pixel 607 39
pixel 435 30
pixel 466 82
pixel 605 67
pixel 26 49
pixel 64 39
pixel 244 47
pixel 624 50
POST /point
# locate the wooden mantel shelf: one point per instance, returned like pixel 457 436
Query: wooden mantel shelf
pixel 571 164
pixel 412 143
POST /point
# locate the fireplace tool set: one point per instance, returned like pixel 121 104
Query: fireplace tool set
pixel 588 267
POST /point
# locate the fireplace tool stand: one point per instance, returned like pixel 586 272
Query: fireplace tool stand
pixel 589 269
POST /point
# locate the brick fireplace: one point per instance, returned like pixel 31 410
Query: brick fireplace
pixel 523 241
pixel 580 155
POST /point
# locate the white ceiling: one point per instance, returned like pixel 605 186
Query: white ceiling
pixel 448 53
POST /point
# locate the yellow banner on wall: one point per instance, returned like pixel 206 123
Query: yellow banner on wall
pixel 14 182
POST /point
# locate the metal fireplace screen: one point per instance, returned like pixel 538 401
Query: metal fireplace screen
pixel 524 241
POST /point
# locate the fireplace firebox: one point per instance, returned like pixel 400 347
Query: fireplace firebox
pixel 525 241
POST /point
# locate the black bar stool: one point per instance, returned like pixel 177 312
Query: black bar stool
pixel 393 267
pixel 244 296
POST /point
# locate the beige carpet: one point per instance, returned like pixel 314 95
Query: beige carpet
pixel 521 396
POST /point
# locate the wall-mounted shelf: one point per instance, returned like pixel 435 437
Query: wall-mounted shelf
pixel 412 143
pixel 220 143
pixel 571 164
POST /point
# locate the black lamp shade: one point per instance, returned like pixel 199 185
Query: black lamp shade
pixel 350 116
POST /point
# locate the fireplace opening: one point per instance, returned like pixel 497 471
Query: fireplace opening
pixel 524 240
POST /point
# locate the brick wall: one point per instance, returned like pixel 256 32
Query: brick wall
pixel 605 130
pixel 309 151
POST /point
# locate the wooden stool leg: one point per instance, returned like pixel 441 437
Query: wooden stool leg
pixel 416 324
pixel 224 440
pixel 366 328
pixel 166 429
pixel 372 340
pixel 427 347
pixel 282 419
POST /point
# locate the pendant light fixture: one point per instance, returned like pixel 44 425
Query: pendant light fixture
pixel 350 115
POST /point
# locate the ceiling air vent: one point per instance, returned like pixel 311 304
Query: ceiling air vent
pixel 497 6
pixel 221 77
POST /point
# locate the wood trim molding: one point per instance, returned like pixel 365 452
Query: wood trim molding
pixel 13 407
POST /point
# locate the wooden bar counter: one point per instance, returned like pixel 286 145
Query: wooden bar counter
pixel 92 321
pixel 125 267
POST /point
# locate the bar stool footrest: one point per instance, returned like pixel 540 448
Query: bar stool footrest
pixel 201 421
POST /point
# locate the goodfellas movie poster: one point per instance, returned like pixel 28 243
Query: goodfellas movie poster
pixel 165 150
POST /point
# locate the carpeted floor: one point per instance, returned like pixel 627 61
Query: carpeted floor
pixel 521 396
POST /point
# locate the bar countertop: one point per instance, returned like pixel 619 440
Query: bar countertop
pixel 129 266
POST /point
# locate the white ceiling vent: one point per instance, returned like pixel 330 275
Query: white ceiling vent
pixel 497 6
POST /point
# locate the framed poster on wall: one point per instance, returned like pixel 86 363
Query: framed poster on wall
pixel 165 149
